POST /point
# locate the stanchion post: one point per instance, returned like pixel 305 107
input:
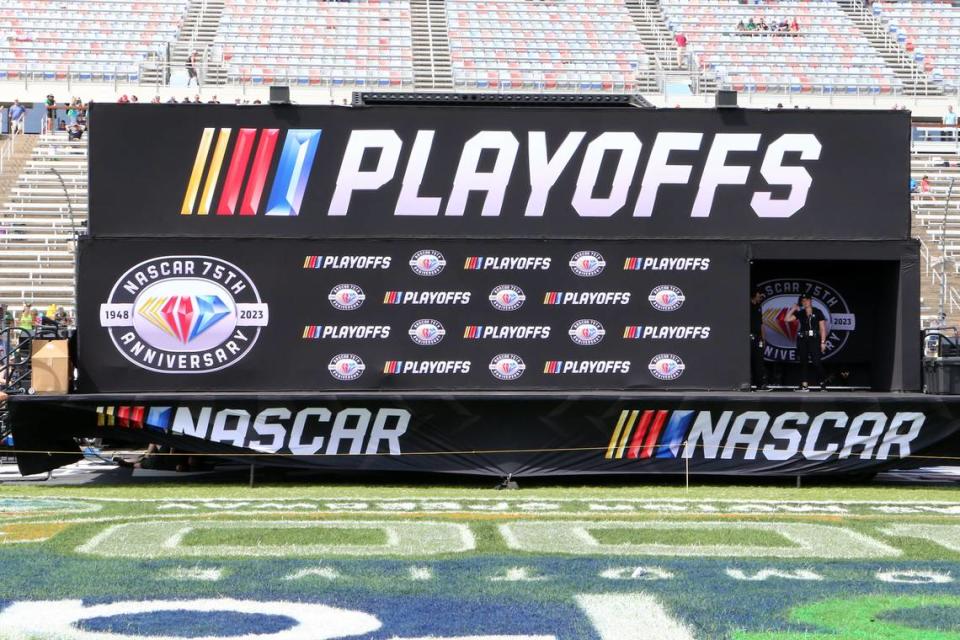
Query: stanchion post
pixel 686 469
pixel 252 476
pixel 798 482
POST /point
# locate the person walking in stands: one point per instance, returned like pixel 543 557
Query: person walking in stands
pixel 925 188
pixel 192 67
pixel 811 338
pixel 681 41
pixel 51 104
pixel 17 116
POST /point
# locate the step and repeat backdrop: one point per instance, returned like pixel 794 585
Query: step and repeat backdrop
pixel 412 314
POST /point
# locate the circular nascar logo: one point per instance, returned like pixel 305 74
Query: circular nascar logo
pixel 184 314
pixel 666 366
pixel 780 336
pixel 427 262
pixel 507 366
pixel 587 332
pixel 666 298
pixel 587 264
pixel 507 297
pixel 346 366
pixel 427 332
pixel 346 297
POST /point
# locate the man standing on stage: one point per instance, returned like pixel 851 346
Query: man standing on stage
pixel 758 368
pixel 811 337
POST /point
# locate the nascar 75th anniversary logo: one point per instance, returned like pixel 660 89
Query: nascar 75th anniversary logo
pixel 184 314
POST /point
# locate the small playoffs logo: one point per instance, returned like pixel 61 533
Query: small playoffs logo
pixel 427 332
pixel 507 297
pixel 184 314
pixel 346 366
pixel 586 332
pixel 346 297
pixel 666 297
pixel 666 366
pixel 507 366
pixel 587 264
pixel 427 262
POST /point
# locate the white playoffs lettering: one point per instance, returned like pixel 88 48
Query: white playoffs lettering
pixel 504 150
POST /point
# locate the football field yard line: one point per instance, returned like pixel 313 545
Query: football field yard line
pixel 633 616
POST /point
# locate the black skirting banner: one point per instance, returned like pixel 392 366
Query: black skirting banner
pixel 769 434
pixel 431 314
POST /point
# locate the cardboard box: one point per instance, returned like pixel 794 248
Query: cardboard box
pixel 50 361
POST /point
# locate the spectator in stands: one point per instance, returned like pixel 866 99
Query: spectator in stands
pixel 741 26
pixel 134 99
pixel 236 101
pixel 213 100
pixel 73 112
pixel 28 316
pixel 681 41
pixel 124 99
pixel 191 65
pixel 794 26
pixel 196 99
pixel 17 116
pixel 51 104
pixel 751 24
pixel 75 132
pixel 925 188
pixel 155 100
pixel 172 100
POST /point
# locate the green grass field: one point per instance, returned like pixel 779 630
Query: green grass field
pixel 392 562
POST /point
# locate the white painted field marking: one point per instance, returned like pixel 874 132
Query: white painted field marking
pixel 632 616
pixel 518 574
pixel 765 574
pixel 943 535
pixel 636 573
pixel 56 619
pixel 809 540
pixel 327 573
pixel 479 638
pixel 164 539
pixel 914 577
pixel 420 573
pixel 199 574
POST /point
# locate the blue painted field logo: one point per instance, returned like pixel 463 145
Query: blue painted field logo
pixel 427 332
pixel 587 264
pixel 346 366
pixel 346 297
pixel 507 297
pixel 507 366
pixel 427 262
pixel 666 366
pixel 666 297
pixel 184 314
pixel 586 332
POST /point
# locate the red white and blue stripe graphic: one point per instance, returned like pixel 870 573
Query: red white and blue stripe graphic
pixel 135 417
pixel 472 332
pixel 649 433
pixel 393 366
pixel 553 366
pixel 249 179
pixel 312 331
pixel 633 264
pixel 551 297
pixel 632 332
pixel 313 262
pixel 472 263
pixel 392 297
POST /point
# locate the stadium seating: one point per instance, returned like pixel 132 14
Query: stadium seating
pixel 829 54
pixel 38 223
pixel 930 32
pixel 101 40
pixel 516 44
pixel 305 42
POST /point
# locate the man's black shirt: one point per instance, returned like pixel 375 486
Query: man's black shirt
pixel 809 322
pixel 756 319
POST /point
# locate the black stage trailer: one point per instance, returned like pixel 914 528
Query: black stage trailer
pixel 495 289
